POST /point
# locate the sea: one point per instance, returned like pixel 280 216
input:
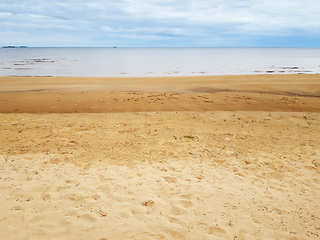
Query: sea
pixel 157 62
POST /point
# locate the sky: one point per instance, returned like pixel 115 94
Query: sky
pixel 160 23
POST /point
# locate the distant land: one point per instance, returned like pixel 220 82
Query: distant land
pixel 10 46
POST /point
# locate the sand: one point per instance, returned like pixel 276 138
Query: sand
pixel 176 158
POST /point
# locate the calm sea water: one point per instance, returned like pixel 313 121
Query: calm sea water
pixel 143 62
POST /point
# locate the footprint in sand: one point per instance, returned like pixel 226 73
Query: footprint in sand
pixel 88 217
pixel 45 196
pixel 185 203
pixel 17 208
pixel 170 179
pixel 174 220
pixel 147 206
pixel 177 210
pixel 138 211
pixel 215 230
pixel 149 203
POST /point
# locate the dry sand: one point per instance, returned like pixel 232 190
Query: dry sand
pixel 230 157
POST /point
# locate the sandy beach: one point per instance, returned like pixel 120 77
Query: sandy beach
pixel 216 157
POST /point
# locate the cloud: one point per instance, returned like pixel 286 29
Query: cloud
pixel 5 15
pixel 187 23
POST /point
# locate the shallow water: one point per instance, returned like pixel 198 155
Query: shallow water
pixel 152 62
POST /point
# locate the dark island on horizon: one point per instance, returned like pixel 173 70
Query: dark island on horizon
pixel 11 46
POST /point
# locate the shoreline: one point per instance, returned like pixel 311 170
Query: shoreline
pixel 173 84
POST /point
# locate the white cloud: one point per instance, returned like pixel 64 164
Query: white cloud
pixel 192 19
pixel 5 14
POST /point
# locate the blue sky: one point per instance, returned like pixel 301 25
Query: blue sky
pixel 156 23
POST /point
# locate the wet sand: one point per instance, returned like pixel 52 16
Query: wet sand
pixel 230 157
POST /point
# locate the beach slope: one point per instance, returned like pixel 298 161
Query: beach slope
pixel 179 158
